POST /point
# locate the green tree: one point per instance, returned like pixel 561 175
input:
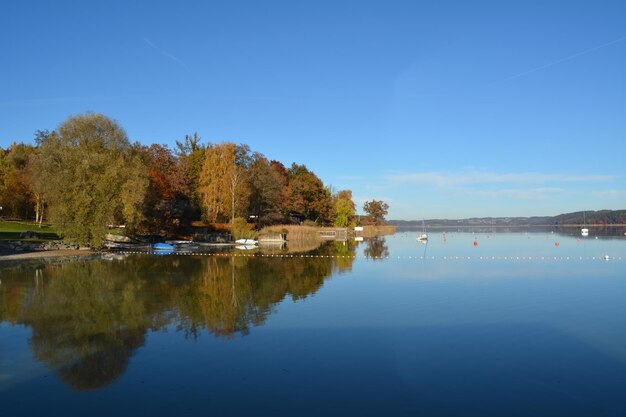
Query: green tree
pixel 93 177
pixel 191 155
pixel 376 210
pixel 240 229
pixel 343 208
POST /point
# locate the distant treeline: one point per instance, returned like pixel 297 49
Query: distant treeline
pixel 86 176
pixel 600 217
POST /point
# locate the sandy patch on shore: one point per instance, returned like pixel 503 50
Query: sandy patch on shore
pixel 45 254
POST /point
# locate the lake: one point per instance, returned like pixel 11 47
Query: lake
pixel 471 324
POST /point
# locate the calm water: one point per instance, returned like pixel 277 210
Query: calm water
pixel 512 326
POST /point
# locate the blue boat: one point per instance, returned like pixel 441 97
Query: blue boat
pixel 162 246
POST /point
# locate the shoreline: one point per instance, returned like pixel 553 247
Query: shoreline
pixel 45 254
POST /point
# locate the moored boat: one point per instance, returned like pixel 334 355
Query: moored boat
pixel 423 237
pixel 584 231
pixel 162 246
pixel 246 242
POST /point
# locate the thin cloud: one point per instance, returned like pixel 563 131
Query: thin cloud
pixel 477 177
pixel 560 61
pixel 614 194
pixel 164 53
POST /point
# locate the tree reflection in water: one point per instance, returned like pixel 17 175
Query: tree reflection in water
pixel 376 248
pixel 87 317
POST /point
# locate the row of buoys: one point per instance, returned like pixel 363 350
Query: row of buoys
pixel 253 255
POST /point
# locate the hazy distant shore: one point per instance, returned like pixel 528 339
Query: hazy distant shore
pixel 598 218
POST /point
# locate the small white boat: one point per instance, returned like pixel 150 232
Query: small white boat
pixel 423 237
pixel 584 231
pixel 247 242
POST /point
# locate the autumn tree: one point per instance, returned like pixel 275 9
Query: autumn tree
pixel 376 211
pixel 93 177
pixel 267 190
pixel 223 183
pixel 15 184
pixel 168 184
pixel 307 196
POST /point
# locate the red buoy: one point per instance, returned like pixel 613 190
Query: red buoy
pixel 556 243
pixel 475 243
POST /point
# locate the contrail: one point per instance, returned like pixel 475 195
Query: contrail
pixel 163 52
pixel 558 61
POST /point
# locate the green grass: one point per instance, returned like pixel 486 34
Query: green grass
pixel 10 230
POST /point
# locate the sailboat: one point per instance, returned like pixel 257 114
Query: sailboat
pixel 423 237
pixel 584 231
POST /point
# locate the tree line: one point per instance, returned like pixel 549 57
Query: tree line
pixel 87 175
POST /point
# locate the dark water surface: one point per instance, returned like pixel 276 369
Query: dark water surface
pixel 514 325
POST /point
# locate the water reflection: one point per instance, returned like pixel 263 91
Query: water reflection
pixel 447 328
pixel 376 248
pixel 88 317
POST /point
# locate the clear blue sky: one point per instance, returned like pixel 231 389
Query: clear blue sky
pixel 442 108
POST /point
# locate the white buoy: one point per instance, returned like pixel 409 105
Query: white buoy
pixel 606 257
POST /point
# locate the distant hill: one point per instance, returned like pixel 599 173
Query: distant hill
pixel 600 217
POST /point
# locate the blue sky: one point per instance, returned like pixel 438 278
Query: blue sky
pixel 443 109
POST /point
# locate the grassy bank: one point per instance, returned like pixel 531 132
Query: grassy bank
pixel 11 230
pixel 295 232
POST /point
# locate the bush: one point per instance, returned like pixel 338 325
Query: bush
pixel 240 229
